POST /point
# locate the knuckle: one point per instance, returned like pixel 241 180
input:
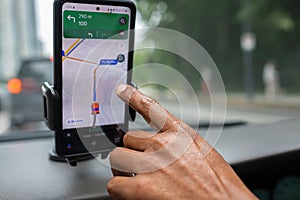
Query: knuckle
pixel 126 138
pixel 110 186
pixel 148 102
pixel 158 142
pixel 129 137
pixel 114 154
pixel 177 123
pixel 131 133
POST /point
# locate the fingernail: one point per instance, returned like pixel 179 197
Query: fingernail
pixel 121 88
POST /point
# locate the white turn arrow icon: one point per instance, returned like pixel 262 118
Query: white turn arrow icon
pixel 71 18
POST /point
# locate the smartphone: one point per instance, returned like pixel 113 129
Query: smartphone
pixel 92 54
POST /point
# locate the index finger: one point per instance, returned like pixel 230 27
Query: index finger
pixel 157 116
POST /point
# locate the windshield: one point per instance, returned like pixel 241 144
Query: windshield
pixel 251 49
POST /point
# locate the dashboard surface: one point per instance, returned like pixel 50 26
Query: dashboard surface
pixel 27 173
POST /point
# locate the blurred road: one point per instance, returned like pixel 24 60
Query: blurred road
pixel 239 109
pixel 259 100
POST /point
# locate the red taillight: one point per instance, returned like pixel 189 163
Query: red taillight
pixel 51 59
pixel 14 86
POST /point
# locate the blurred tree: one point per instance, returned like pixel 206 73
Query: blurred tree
pixel 277 25
pixel 216 25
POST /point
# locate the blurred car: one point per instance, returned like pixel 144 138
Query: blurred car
pixel 25 89
pixel 3 95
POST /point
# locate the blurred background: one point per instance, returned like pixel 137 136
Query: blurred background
pixel 254 43
pixel 222 28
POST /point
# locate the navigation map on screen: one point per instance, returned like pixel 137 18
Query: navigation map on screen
pixel 94 61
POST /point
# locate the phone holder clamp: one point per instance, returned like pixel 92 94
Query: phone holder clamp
pixel 52 110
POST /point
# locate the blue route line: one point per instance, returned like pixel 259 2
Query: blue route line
pixel 95 94
pixel 75 47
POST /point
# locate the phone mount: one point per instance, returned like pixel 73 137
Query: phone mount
pixel 52 110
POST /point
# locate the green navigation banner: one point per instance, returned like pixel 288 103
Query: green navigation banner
pixel 95 25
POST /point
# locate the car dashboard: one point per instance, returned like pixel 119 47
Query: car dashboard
pixel 265 156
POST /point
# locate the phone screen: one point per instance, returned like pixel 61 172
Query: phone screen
pixel 95 45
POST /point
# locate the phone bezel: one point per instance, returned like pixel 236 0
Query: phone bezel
pixel 59 133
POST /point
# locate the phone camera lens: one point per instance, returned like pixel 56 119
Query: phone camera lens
pixel 98 8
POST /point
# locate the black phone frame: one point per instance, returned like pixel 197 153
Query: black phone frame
pixel 57 87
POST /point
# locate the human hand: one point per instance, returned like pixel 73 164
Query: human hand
pixel 175 163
